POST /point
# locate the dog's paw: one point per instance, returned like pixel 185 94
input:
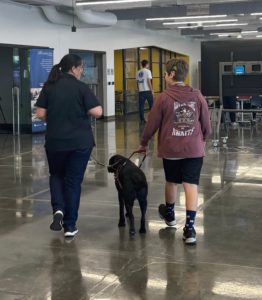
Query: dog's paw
pixel 121 224
pixel 132 232
pixel 142 230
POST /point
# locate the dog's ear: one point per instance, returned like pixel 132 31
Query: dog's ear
pixel 110 163
pixel 112 160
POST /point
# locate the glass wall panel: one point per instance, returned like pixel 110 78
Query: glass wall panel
pixel 131 69
pixel 131 54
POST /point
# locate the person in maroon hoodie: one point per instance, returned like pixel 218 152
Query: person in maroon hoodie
pixel 181 117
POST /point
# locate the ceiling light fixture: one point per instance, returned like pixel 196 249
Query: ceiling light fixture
pixel 249 32
pixel 259 36
pixel 83 3
pixel 186 18
pixel 256 14
pixel 217 33
pixel 197 22
pixel 226 25
pixel 188 27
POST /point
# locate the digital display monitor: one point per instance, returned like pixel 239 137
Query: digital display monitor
pixel 239 69
pixel 228 68
pixel 256 68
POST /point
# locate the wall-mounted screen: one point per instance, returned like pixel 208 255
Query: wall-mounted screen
pixel 228 68
pixel 239 70
pixel 256 68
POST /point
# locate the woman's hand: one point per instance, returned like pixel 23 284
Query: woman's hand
pixel 142 149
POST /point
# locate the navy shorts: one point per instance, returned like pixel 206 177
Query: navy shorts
pixel 183 170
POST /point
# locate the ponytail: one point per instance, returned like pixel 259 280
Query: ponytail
pixel 66 64
pixel 54 74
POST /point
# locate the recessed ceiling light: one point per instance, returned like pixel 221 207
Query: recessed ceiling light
pixel 256 14
pixel 186 18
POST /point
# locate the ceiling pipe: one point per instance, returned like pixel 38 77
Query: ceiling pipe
pixel 96 18
pixel 60 18
pixel 84 18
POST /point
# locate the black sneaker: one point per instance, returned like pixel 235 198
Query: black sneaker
pixel 189 236
pixel 57 221
pixel 70 231
pixel 167 215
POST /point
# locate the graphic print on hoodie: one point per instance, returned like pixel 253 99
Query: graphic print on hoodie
pixel 184 119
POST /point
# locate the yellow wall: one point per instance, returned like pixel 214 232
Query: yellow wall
pixel 118 61
pixel 143 54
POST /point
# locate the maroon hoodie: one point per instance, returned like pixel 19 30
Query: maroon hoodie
pixel 182 117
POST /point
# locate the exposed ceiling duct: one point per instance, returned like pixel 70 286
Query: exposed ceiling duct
pixel 188 17
pixel 85 18
pixel 96 18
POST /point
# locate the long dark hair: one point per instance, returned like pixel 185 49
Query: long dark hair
pixel 66 64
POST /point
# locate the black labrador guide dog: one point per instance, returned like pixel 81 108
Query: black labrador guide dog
pixel 131 184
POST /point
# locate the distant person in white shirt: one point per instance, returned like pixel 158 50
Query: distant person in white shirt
pixel 144 83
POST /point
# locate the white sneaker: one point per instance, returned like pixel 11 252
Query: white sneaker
pixel 57 221
pixel 70 231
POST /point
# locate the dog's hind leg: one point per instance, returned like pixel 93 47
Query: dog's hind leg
pixel 122 221
pixel 143 207
pixel 129 208
pixel 142 200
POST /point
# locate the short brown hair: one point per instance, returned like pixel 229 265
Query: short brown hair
pixel 179 66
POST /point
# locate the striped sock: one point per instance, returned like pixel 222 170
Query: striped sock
pixel 190 219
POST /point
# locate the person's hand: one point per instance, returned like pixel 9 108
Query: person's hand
pixel 142 149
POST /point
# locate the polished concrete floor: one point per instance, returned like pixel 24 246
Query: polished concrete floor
pixel 102 262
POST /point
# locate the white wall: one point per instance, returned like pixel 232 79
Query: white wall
pixel 21 25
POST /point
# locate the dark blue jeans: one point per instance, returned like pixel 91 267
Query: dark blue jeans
pixel 143 96
pixel 67 170
pixel 230 103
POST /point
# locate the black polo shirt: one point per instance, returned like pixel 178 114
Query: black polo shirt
pixel 68 125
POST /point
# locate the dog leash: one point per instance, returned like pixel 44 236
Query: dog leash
pixel 135 152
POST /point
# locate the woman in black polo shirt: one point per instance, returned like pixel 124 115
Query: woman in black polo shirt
pixel 66 104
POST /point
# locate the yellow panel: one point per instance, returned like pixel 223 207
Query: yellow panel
pixel 156 84
pixel 155 70
pixel 144 54
pixel 118 70
pixel 155 55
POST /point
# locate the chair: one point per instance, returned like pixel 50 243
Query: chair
pixel 255 102
pixel 119 104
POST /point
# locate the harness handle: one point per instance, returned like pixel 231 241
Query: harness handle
pixel 135 152
pixel 139 152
